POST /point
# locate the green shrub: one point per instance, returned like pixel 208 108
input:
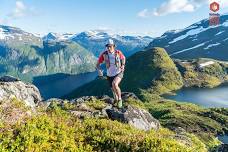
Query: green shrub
pixel 205 123
pixel 57 130
pixel 96 104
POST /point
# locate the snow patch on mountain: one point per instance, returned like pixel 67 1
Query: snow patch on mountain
pixel 206 64
pixel 57 36
pixel 2 34
pixel 195 30
pixel 219 33
pixel 225 39
pixel 189 33
pixel 14 34
pixel 102 35
pixel 225 23
pixel 211 45
pixel 194 39
pixel 65 36
pixel 199 45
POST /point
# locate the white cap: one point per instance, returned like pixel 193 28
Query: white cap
pixel 110 42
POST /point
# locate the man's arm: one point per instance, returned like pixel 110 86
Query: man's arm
pixel 99 61
pixel 123 61
pixel 123 58
pixel 98 67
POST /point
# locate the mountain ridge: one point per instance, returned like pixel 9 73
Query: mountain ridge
pixel 198 40
pixel 25 55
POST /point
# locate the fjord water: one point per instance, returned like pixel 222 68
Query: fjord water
pixel 206 97
pixel 58 85
pixel 224 139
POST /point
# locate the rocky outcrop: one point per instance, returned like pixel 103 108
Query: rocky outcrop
pixel 17 100
pixel 11 87
pixel 137 117
pixel 102 107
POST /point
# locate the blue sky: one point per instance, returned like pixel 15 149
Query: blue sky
pixel 133 17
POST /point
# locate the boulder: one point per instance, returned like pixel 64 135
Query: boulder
pixel 11 87
pixel 104 98
pixel 136 117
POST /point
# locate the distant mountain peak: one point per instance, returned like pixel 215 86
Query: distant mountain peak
pixel 14 34
pixel 57 36
pixel 197 40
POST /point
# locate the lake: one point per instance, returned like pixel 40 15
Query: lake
pixel 206 97
pixel 224 139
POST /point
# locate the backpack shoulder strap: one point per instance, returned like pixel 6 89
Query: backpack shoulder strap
pixel 118 51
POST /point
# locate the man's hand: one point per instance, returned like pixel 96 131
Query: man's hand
pixel 122 68
pixel 100 73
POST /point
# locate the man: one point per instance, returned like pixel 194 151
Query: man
pixel 115 64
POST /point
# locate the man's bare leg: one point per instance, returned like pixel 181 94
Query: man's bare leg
pixel 114 94
pixel 116 87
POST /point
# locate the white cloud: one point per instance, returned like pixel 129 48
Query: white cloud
pixel 174 6
pixel 144 13
pixel 178 6
pixel 19 11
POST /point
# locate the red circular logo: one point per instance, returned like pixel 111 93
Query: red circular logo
pixel 214 6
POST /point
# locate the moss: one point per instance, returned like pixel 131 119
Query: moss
pixel 15 103
pixel 211 81
pixel 135 103
pixel 96 104
pixel 68 106
pixel 13 111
